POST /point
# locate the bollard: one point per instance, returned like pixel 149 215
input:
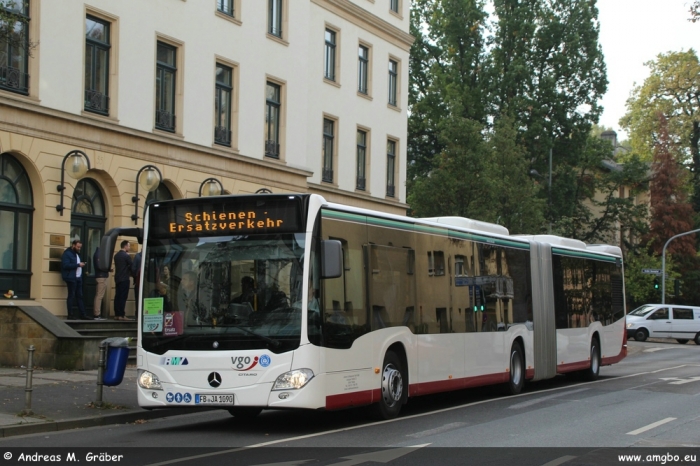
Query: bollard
pixel 100 373
pixel 28 387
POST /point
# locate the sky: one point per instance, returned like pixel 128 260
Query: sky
pixel 633 32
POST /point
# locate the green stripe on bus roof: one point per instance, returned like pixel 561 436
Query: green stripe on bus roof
pixel 587 255
pixel 401 225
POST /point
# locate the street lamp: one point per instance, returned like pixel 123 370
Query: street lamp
pixel 663 263
pixel 149 177
pixel 78 165
pixel 210 187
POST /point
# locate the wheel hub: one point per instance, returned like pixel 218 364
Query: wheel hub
pixel 516 368
pixel 392 385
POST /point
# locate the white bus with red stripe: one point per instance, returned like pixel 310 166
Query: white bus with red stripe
pixel 291 302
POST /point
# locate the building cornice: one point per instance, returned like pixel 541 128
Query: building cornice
pixel 33 120
pixel 340 196
pixel 364 19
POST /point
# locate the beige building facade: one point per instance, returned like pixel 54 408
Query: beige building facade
pixel 289 96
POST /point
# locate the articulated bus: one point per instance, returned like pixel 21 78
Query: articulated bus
pixel 275 301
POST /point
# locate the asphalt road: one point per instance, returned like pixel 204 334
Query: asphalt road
pixel 650 399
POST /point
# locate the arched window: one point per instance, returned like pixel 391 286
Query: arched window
pixel 162 193
pixel 87 199
pixel 16 212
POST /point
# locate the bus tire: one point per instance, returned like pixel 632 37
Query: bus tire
pixel 393 387
pixel 517 369
pixel 641 334
pixel 244 413
pixel 682 341
pixel 593 371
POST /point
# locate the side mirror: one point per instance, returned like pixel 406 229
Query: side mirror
pixel 331 259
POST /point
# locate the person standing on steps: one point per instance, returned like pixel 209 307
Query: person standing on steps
pixel 72 274
pixel 122 275
pixel 101 279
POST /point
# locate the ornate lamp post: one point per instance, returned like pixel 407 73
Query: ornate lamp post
pixel 78 165
pixel 149 177
pixel 210 187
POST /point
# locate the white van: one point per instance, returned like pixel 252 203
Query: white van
pixel 664 321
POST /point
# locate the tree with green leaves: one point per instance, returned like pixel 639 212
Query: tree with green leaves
pixel 695 11
pixel 672 89
pixel 671 213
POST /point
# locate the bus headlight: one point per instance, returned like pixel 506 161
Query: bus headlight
pixel 149 380
pixel 293 380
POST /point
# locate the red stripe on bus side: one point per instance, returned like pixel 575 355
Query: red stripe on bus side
pixel 614 359
pixel 347 400
pixel 438 386
pixel 573 366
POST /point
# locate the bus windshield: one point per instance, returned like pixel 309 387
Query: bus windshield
pixel 223 293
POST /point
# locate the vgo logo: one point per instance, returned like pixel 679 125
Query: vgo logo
pixel 246 363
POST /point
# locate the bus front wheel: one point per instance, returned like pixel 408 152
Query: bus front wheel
pixel 517 369
pixel 393 387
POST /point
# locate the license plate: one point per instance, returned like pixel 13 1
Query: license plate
pixel 213 399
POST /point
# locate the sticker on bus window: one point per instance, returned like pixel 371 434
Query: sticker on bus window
pixel 173 324
pixel 153 314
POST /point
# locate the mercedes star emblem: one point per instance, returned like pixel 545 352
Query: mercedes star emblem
pixel 214 379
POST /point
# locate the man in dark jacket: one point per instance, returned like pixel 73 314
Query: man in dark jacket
pixel 122 274
pixel 101 279
pixel 72 274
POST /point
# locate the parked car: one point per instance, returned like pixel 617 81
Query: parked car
pixel 664 321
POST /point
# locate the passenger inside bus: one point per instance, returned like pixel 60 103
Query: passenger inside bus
pixel 247 294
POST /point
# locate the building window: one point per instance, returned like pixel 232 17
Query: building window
pixel 390 167
pixel 393 76
pixel 394 5
pixel 328 141
pixel 222 105
pixel 97 45
pixel 274 20
pixel 16 211
pixel 329 56
pixel 226 7
pixel 272 121
pixel 361 159
pixel 362 69
pixel 14 56
pixel 165 87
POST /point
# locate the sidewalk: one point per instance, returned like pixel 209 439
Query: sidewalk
pixel 65 400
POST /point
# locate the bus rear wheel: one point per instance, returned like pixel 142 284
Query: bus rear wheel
pixel 244 413
pixel 393 387
pixel 593 371
pixel 517 369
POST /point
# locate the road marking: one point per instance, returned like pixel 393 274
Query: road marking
pixel 654 350
pixel 651 426
pixel 668 368
pixel 559 461
pixel 525 404
pixel 374 424
pixel 382 456
pixel 438 430
pixel 679 381
pixel 286 463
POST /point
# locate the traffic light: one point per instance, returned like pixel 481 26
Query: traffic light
pixel 676 287
pixel 656 283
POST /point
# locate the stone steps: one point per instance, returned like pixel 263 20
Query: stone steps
pixel 107 329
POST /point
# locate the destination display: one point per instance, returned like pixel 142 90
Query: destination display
pixel 226 216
